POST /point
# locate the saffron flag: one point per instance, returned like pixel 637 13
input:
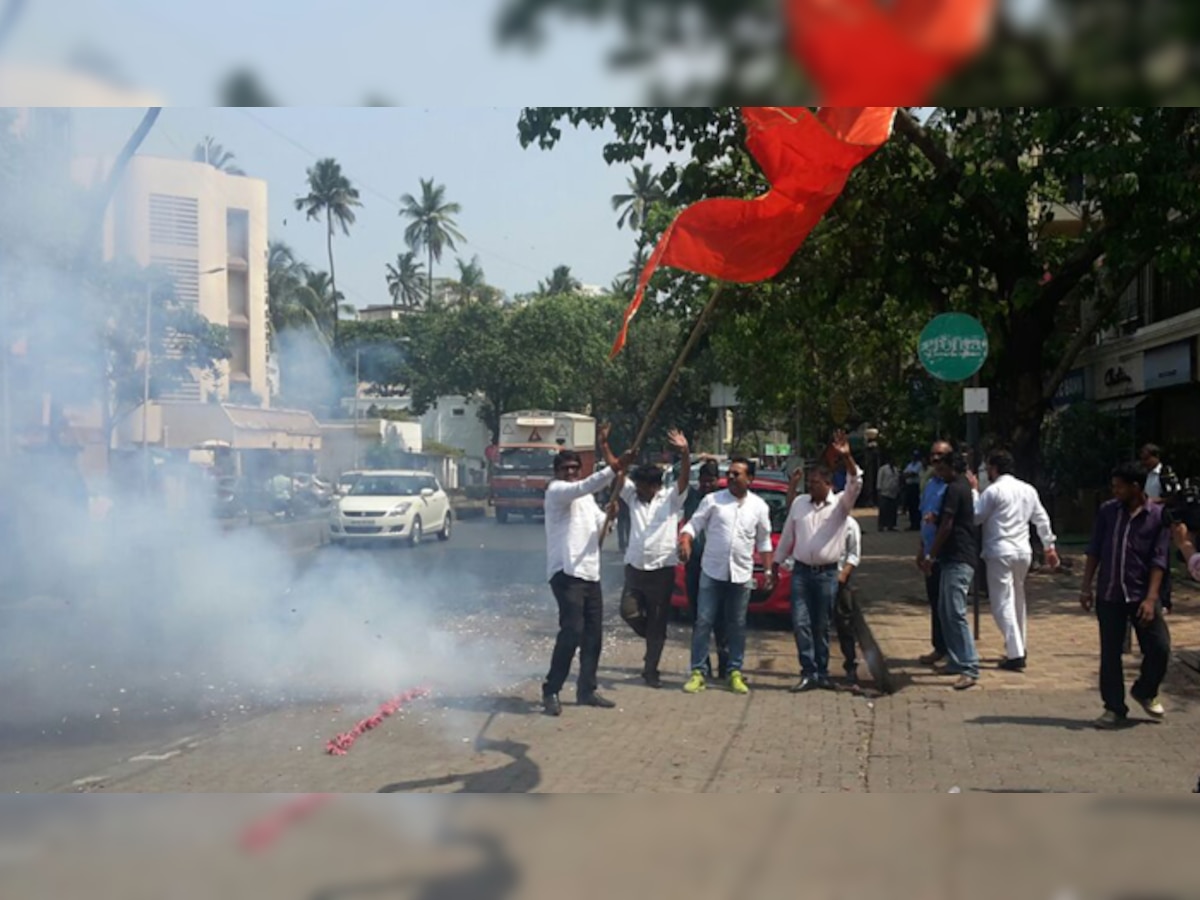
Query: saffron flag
pixel 856 50
pixel 807 157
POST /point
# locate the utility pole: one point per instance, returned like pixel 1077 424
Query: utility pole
pixel 357 369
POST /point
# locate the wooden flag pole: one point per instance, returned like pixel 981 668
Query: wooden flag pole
pixel 663 394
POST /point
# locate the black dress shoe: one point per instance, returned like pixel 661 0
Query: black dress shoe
pixel 596 700
pixel 1013 665
pixel 652 679
pixel 551 705
pixel 804 685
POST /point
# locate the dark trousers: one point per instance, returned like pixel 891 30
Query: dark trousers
pixel 843 626
pixel 646 606
pixel 888 508
pixel 1155 642
pixel 623 525
pixel 912 502
pixel 720 632
pixel 580 615
pixel 933 592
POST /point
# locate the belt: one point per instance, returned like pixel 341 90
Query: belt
pixel 832 567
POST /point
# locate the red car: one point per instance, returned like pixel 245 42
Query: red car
pixel 778 601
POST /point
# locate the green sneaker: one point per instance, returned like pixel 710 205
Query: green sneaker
pixel 737 683
pixel 696 683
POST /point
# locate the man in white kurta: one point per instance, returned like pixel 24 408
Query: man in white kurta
pixel 1005 510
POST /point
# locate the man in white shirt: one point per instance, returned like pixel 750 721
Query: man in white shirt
pixel 813 539
pixel 1006 510
pixel 736 522
pixel 1159 480
pixel 650 558
pixel 573 523
pixel 843 611
pixel 887 485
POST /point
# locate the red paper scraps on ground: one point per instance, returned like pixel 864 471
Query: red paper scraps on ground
pixel 340 745
pixel 856 50
pixel 266 831
pixel 807 157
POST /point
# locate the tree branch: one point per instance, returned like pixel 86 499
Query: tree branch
pixel 946 166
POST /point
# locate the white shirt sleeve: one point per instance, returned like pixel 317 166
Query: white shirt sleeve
pixel 984 507
pixel 568 491
pixel 763 529
pixel 853 555
pixel 787 540
pixel 629 493
pixel 849 497
pixel 1041 520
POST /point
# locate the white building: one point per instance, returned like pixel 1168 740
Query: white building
pixel 208 230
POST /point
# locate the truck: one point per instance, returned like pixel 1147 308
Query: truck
pixel 524 462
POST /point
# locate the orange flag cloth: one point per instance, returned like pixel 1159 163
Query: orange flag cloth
pixel 807 157
pixel 856 50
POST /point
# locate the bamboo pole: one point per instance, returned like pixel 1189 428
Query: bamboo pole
pixel 663 394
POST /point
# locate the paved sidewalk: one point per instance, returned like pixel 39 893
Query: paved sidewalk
pixel 1014 733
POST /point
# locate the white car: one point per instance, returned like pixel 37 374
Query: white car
pixel 392 505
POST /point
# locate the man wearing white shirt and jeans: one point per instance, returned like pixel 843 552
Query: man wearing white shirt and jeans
pixel 1005 510
pixel 573 523
pixel 650 557
pixel 814 540
pixel 736 522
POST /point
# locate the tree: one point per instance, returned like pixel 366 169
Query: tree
pixel 325 301
pixel 331 194
pixel 644 191
pixel 471 285
pixel 378 351
pixel 1052 63
pixel 210 152
pixel 405 281
pixel 432 227
pixel 561 281
pixel 976 210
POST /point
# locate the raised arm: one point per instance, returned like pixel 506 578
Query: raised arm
pixel 854 480
pixel 677 440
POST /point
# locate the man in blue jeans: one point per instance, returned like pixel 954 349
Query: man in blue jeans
pixel 737 522
pixel 955 552
pixel 813 541
pixel 931 505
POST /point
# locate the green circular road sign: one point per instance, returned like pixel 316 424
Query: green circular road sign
pixel 953 347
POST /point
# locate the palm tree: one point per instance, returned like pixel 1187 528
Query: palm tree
pixel 471 281
pixel 209 151
pixel 405 280
pixel 321 298
pixel 644 190
pixel 330 193
pixel 432 228
pixel 561 281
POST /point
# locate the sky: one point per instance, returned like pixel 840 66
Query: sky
pixel 524 210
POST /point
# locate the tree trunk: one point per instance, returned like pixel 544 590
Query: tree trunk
pixel 332 277
pixel 1016 395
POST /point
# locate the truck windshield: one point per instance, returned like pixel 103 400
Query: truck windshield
pixel 528 459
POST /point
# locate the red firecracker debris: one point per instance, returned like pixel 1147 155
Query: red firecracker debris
pixel 340 745
pixel 266 831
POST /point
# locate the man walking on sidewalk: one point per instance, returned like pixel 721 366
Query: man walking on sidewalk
pixel 650 559
pixel 1130 546
pixel 843 611
pixel 912 491
pixel 931 505
pixel 706 482
pixel 1005 510
pixel 737 522
pixel 573 523
pixel 955 552
pixel 814 540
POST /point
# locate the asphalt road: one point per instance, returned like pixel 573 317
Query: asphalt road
pixel 75 707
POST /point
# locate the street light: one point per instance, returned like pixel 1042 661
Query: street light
pixel 146 384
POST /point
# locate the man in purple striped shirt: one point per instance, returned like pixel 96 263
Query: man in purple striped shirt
pixel 1130 546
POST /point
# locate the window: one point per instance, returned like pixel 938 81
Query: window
pixel 185 274
pixel 237 234
pixel 174 221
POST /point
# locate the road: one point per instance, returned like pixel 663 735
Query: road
pixel 66 719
